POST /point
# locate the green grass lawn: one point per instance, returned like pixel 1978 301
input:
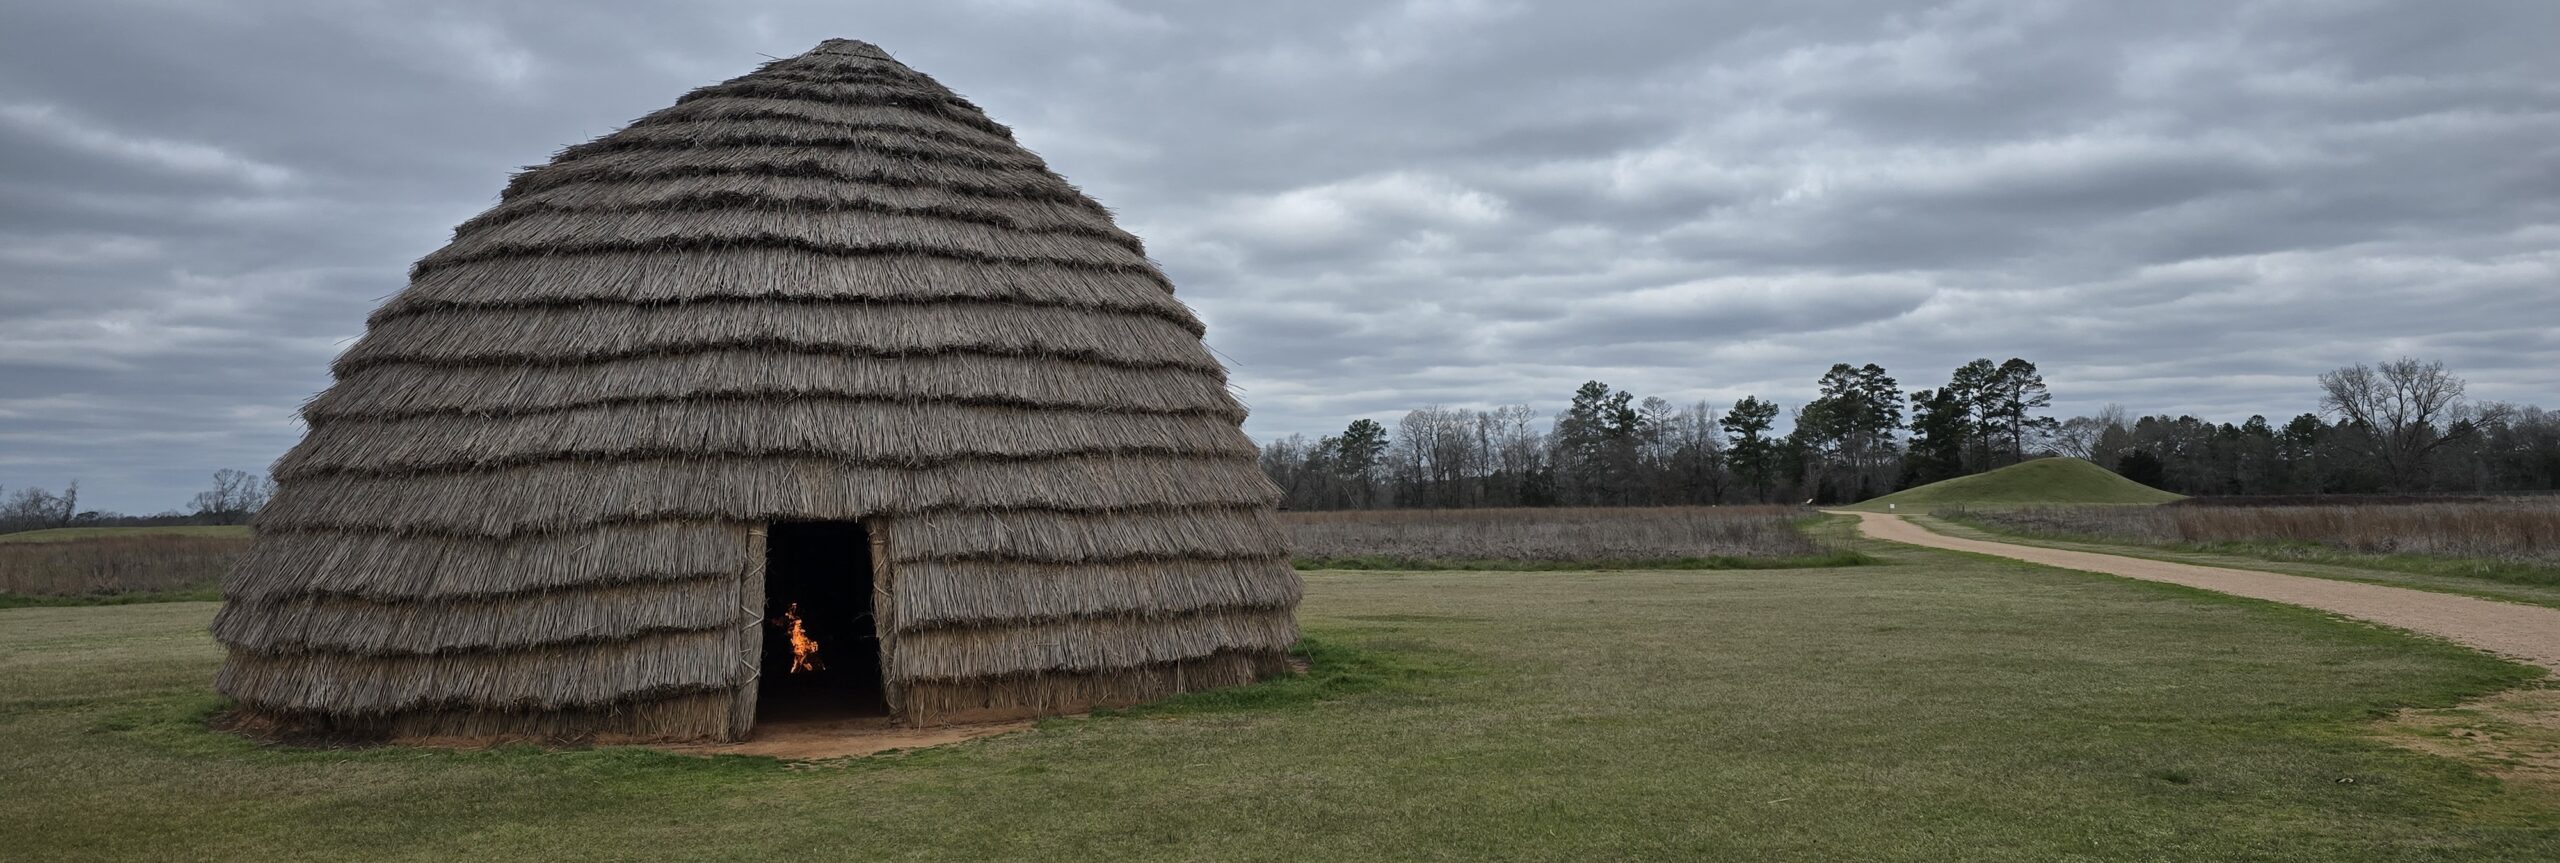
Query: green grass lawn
pixel 74 534
pixel 2030 483
pixel 1933 707
pixel 2488 579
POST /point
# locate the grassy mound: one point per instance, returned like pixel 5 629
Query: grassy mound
pixel 2033 483
pixel 76 534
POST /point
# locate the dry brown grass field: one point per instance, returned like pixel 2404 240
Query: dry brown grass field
pixel 1677 537
pixel 2520 530
pixel 139 565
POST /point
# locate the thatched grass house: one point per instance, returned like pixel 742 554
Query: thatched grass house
pixel 817 354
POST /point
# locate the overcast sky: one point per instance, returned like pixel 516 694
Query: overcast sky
pixel 2180 207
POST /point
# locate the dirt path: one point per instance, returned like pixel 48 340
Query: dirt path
pixel 2525 632
pixel 819 739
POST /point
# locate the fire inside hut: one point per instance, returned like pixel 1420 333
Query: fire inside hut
pixel 821 646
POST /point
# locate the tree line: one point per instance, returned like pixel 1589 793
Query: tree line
pixel 2402 426
pixel 235 496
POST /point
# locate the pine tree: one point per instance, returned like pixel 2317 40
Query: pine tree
pixel 1356 454
pixel 1753 455
pixel 1942 427
pixel 2017 392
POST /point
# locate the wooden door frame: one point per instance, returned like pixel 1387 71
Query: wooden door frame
pixel 883 616
pixel 750 633
pixel 750 630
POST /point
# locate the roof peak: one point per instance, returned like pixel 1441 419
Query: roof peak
pixel 850 48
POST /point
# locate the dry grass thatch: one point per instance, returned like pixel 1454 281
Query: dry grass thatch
pixel 828 290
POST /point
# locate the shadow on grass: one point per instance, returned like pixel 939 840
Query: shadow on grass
pixel 1335 671
pixel 191 726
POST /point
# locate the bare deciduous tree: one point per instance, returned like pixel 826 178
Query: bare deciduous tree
pixel 236 495
pixel 2402 412
pixel 34 508
pixel 2077 437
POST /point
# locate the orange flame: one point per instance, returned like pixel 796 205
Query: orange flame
pixel 804 650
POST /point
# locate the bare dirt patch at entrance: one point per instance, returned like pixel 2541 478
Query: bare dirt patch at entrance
pixel 791 739
pixel 821 739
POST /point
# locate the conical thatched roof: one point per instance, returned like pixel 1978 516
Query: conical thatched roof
pixel 832 289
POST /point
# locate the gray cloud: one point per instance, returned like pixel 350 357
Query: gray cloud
pixel 2190 207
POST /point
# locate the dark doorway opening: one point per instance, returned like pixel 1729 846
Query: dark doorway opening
pixel 817 579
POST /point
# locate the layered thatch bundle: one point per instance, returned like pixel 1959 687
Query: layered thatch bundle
pixel 535 499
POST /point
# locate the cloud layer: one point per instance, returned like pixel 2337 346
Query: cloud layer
pixel 2189 207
